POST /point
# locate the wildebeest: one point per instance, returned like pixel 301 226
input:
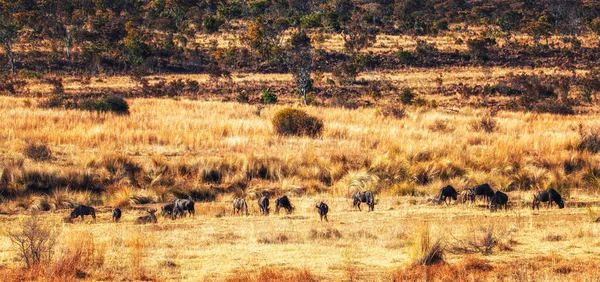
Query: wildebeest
pixel 150 218
pixel 549 196
pixel 364 197
pixel 466 195
pixel 167 209
pixel 263 205
pixel 484 190
pixel 500 199
pixel 283 202
pixel 447 192
pixel 323 210
pixel 182 205
pixel 239 205
pixel 82 210
pixel 116 214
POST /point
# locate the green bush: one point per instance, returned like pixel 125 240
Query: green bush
pixel 269 97
pixel 407 96
pixel 311 21
pixel 297 122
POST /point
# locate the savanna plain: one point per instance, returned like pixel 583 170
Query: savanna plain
pixel 217 150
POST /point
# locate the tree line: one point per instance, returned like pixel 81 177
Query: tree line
pixel 99 36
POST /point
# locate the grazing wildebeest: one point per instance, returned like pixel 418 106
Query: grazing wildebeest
pixel 466 195
pixel 239 205
pixel 82 210
pixel 484 190
pixel 116 214
pixel 167 209
pixel 549 196
pixel 283 202
pixel 447 192
pixel 323 210
pixel 182 205
pixel 263 205
pixel 500 199
pixel 364 197
pixel 150 218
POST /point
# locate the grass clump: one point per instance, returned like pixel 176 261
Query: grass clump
pixel 297 122
pixel 38 152
pixel 425 249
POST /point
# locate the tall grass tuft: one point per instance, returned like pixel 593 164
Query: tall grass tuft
pixel 425 249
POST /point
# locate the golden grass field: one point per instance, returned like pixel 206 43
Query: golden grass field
pixel 524 151
pixel 544 245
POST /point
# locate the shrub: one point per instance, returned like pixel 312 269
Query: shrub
pixel 486 124
pixel 34 241
pixel 269 97
pixel 407 96
pixel 296 122
pixel 392 110
pixel 311 20
pixel 554 106
pixel 478 48
pixel 38 152
pixel 590 139
pixel 113 104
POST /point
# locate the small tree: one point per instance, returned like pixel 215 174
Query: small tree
pixel 8 34
pixel 34 241
pixel 300 63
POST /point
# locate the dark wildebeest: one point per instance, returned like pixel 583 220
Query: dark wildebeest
pixel 150 218
pixel 500 199
pixel 239 205
pixel 483 190
pixel 447 192
pixel 549 196
pixel 167 209
pixel 82 210
pixel 116 214
pixel 323 210
pixel 283 202
pixel 364 197
pixel 263 205
pixel 182 205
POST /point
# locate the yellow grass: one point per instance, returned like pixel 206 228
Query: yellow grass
pixel 368 246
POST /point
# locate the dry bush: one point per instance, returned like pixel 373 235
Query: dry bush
pixel 425 249
pixel 392 110
pixel 34 241
pixel 38 152
pixel 483 241
pixel 485 124
pixel 329 233
pixel 296 122
pixel 589 139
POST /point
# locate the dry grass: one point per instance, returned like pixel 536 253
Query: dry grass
pixel 352 246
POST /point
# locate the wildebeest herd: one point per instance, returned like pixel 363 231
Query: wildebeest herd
pixel 497 199
pixel 185 207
